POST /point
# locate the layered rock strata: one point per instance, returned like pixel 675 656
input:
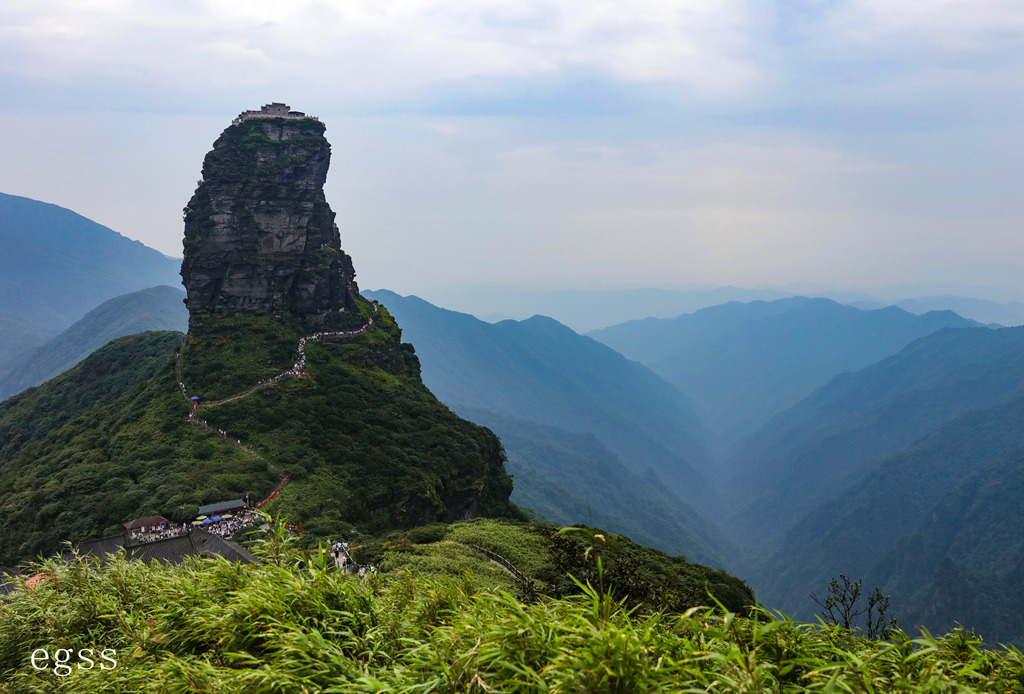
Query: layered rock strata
pixel 260 238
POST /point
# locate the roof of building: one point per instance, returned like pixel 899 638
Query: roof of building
pixel 8 579
pixel 221 507
pixel 101 547
pixel 169 550
pixel 213 544
pixel 173 550
pixel 142 522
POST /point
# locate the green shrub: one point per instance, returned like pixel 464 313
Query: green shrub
pixel 427 534
pixel 294 624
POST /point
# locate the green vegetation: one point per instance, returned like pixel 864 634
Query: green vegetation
pixel 105 376
pixel 293 625
pixel 368 446
pixel 236 149
pixel 645 578
pixel 541 371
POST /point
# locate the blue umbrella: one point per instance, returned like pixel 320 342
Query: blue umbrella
pixel 207 521
pixel 195 397
pixel 216 518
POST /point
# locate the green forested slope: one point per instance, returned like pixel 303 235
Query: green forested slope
pixel 368 446
pixel 962 563
pixel 107 375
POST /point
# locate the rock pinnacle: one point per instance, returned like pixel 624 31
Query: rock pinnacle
pixel 260 238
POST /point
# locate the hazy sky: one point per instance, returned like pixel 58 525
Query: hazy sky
pixel 553 143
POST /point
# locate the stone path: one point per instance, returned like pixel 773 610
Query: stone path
pixel 298 370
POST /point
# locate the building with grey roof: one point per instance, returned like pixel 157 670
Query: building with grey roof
pixel 222 507
pixel 170 550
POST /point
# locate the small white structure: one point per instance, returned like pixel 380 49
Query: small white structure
pixel 274 110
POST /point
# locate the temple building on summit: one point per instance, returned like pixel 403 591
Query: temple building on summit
pixel 273 110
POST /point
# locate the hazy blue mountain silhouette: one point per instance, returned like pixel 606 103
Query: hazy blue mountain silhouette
pixel 156 308
pixel 18 337
pixel 1008 314
pixel 591 309
pixel 865 529
pixel 744 363
pixel 56 264
pixel 815 451
pixel 542 371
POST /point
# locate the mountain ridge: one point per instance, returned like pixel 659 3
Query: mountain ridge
pixel 744 363
pixel 541 370
pixel 57 264
pixel 157 308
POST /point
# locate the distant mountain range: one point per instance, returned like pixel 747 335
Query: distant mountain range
pixel 18 336
pixel 543 373
pixel 1007 314
pixel 55 265
pixel 812 452
pixel 935 524
pixel 157 308
pixel 907 474
pixel 744 363
pixel 540 370
pixel 573 478
pixel 586 310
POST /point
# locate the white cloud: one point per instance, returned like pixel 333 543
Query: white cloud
pixel 953 25
pixel 372 47
pixel 768 142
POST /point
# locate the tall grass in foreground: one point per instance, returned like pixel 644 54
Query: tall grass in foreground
pixel 296 626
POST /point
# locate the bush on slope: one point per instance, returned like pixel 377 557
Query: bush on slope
pixel 293 626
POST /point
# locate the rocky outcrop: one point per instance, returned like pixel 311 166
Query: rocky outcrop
pixel 260 238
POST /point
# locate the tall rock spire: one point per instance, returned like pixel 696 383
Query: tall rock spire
pixel 260 238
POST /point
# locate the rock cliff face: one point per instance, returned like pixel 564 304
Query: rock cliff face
pixel 260 238
pixel 364 440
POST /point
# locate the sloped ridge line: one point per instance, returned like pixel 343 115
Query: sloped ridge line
pixel 298 370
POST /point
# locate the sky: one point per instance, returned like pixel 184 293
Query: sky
pixel 841 144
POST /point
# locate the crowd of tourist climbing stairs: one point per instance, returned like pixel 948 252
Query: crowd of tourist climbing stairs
pixel 298 370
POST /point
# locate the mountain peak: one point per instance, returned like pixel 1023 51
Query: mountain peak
pixel 260 238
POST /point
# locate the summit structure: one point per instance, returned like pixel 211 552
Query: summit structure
pixel 260 238
pixel 273 110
